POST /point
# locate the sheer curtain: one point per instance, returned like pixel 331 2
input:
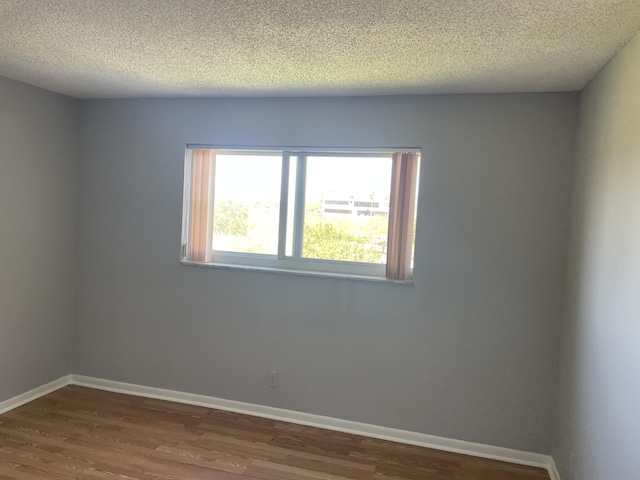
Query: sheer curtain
pixel 200 212
pixel 404 172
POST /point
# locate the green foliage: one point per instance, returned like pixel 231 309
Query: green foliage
pixel 249 228
pixel 231 218
pixel 329 241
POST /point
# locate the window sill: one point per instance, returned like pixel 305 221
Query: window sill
pixel 306 273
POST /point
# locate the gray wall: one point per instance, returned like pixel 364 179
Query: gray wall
pixel 598 416
pixel 39 147
pixel 469 351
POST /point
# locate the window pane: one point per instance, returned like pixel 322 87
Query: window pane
pixel 347 208
pixel 246 203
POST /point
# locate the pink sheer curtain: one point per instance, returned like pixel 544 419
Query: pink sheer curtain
pixel 401 211
pixel 198 246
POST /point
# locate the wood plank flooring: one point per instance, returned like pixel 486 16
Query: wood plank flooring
pixel 81 433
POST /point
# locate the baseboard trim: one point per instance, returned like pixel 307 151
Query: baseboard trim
pixel 34 394
pixel 553 469
pixel 347 426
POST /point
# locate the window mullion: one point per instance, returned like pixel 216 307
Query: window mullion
pixel 284 203
pixel 298 215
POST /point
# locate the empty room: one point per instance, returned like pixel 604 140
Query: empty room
pixel 296 239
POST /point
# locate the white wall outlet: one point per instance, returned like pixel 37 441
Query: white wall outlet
pixel 273 379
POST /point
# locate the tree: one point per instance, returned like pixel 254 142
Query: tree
pixel 231 218
pixel 331 242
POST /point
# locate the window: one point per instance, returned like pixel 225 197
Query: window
pixel 325 211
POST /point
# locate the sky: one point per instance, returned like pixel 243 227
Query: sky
pixel 260 177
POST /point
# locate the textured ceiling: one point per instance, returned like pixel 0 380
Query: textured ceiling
pixel 145 48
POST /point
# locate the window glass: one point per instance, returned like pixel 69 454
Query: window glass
pixel 347 208
pixel 246 203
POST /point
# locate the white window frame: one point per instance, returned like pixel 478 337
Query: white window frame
pixel 282 262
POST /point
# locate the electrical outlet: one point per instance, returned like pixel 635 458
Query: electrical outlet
pixel 273 379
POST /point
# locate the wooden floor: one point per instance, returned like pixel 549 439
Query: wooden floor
pixel 89 434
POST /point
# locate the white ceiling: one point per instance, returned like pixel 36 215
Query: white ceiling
pixel 150 48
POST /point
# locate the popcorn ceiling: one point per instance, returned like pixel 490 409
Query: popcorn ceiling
pixel 153 48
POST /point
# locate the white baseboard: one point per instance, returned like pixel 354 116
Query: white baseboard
pixel 330 423
pixel 34 394
pixel 553 470
pixel 347 426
